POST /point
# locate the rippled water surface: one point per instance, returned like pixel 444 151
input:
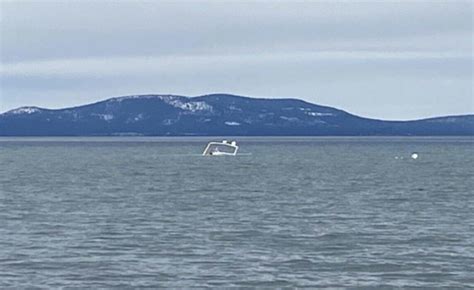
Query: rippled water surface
pixel 358 212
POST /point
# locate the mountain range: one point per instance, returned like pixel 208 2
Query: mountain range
pixel 215 115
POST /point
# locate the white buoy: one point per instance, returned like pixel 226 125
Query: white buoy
pixel 414 155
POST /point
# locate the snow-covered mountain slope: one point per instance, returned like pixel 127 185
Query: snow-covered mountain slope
pixel 216 114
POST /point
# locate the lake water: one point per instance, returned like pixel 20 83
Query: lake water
pixel 357 212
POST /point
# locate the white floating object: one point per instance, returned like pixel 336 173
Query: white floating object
pixel 414 155
pixel 223 148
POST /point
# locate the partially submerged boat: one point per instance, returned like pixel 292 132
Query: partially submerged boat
pixel 224 148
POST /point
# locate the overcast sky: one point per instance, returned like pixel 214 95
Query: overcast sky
pixel 390 60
